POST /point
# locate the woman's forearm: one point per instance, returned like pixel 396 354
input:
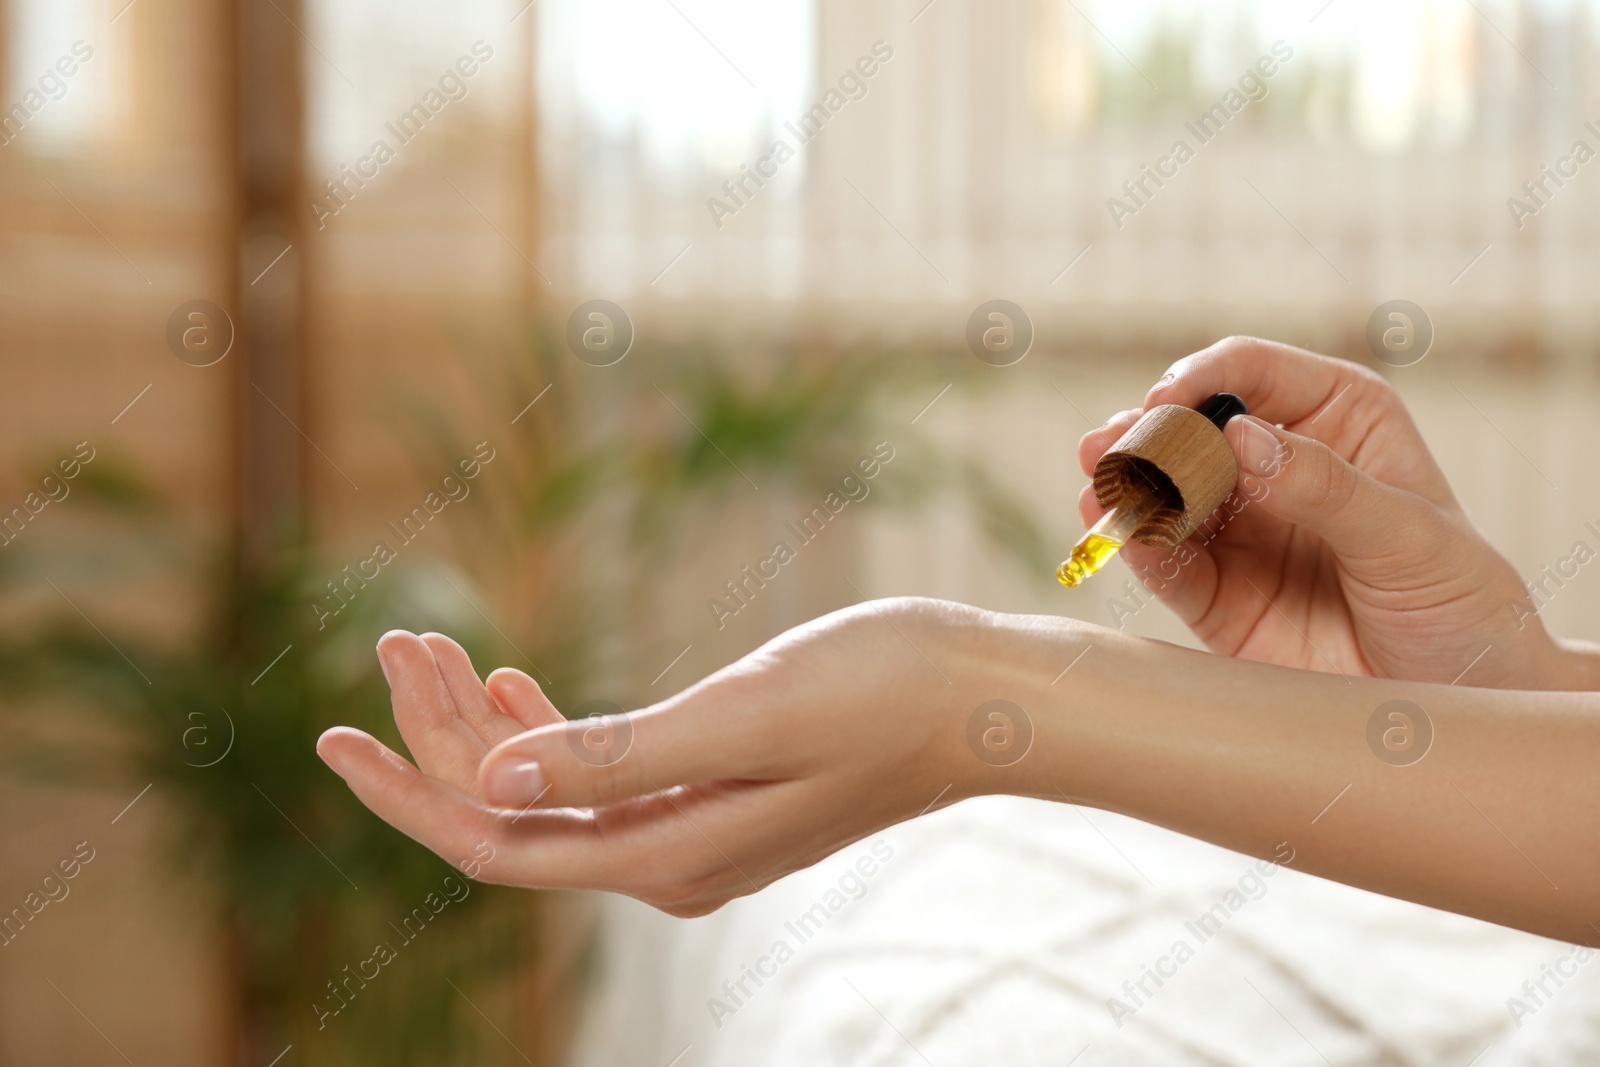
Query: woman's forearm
pixel 1499 818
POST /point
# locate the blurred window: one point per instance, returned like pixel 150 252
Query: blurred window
pixel 59 74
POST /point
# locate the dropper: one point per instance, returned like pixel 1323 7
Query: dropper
pixel 1106 537
pixel 1143 497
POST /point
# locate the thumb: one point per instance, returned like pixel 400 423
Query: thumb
pixel 694 736
pixel 1302 481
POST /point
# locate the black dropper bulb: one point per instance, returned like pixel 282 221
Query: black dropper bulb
pixel 1220 407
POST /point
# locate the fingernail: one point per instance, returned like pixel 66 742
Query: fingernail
pixel 1259 449
pixel 383 665
pixel 513 785
pixel 1166 379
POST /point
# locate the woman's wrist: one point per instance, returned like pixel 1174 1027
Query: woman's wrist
pixel 1027 686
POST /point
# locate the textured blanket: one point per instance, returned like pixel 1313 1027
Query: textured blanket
pixel 1006 931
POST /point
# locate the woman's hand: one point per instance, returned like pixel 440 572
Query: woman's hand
pixel 834 730
pixel 1351 554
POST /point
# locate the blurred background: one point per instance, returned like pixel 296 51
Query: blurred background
pixel 285 281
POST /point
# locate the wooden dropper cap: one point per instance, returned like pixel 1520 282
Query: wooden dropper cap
pixel 1180 455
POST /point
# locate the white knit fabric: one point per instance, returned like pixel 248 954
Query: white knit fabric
pixel 998 930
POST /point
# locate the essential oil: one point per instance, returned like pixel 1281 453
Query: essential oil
pixel 1088 556
pixel 1106 537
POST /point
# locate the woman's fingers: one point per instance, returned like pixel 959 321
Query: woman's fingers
pixel 672 849
pixel 445 819
pixel 1095 443
pixel 557 849
pixel 696 736
pixel 1371 526
pixel 1279 382
pixel 443 741
pixel 1298 481
pixel 519 697
pixel 1344 405
pixel 450 721
pixel 472 699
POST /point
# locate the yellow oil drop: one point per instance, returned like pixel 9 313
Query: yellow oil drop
pixel 1088 556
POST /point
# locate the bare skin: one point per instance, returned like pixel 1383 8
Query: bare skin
pixel 860 719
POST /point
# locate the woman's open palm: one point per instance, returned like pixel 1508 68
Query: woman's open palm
pixel 830 732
